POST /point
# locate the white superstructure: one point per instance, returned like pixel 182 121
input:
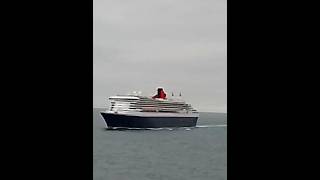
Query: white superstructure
pixel 133 103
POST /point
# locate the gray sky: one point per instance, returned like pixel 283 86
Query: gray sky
pixel 180 45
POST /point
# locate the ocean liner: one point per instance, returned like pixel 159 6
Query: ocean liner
pixel 135 111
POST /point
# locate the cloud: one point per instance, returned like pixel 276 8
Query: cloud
pixel 180 45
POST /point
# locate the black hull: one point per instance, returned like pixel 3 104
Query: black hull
pixel 125 121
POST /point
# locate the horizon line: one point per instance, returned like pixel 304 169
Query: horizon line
pixel 199 111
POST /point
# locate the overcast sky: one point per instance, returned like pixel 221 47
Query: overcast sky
pixel 180 45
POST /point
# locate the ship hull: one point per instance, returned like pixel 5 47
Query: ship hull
pixel 114 120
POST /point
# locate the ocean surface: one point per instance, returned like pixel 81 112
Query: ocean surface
pixel 161 154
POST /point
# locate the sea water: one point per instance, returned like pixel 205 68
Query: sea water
pixel 161 153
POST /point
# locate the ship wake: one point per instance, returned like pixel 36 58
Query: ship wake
pixel 210 126
pixel 168 128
